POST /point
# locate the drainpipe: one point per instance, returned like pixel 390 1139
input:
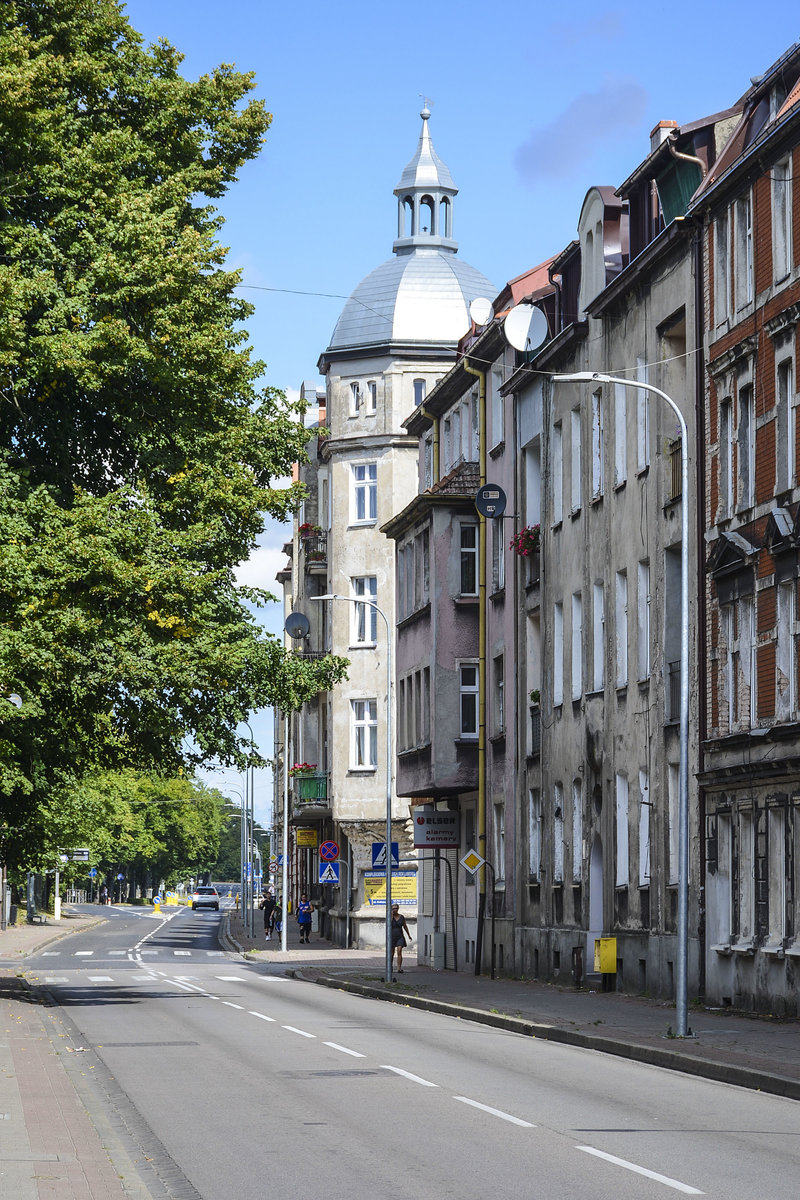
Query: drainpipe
pixel 692 158
pixel 700 593
pixel 481 377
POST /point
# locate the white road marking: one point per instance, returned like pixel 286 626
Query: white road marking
pixel 230 978
pixel 344 1050
pixel 263 1016
pixel 230 1004
pixel 214 953
pixel 100 979
pixel 84 953
pixel 50 953
pixel 186 978
pixel 142 978
pixel 186 952
pixel 184 986
pixel 629 1166
pixel 148 952
pixel 408 1075
pixel 495 1112
pixel 302 1032
pixel 118 952
pixel 55 979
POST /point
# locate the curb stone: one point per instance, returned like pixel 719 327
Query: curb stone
pixel 776 1085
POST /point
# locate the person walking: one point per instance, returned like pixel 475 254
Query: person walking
pixel 304 910
pixel 268 905
pixel 399 931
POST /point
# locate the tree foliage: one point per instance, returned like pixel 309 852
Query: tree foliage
pixel 138 450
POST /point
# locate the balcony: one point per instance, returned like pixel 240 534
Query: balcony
pixel 310 800
pixel 312 787
pixel 315 550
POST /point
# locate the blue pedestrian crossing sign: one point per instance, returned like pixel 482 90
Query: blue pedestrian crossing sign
pixel 379 854
pixel 329 872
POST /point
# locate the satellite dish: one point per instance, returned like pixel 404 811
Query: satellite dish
pixel 525 327
pixel 481 310
pixel 297 626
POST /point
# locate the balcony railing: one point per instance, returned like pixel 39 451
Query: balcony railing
pixel 675 464
pixel 316 550
pixel 312 787
pixel 673 692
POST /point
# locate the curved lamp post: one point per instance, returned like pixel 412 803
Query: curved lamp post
pixel 372 604
pixel 681 974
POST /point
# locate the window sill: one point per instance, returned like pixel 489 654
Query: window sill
pixel 410 618
pixel 643 472
pixel 363 646
pixel 496 451
pixel 792 951
pixel 363 524
pixel 465 601
pixel 724 949
pixel 621 485
pixel 498 739
pixel 362 770
pixel 597 500
pixel 411 751
pixel 574 513
pixel 466 739
pixel 747 949
pixel 498 594
pixel 774 950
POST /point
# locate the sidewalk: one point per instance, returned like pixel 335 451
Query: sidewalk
pixel 755 1052
pixel 49 1143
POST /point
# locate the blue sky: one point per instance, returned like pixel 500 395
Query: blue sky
pixel 530 109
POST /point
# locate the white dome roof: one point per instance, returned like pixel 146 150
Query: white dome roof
pixel 422 297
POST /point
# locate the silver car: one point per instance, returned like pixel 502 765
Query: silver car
pixel 205 897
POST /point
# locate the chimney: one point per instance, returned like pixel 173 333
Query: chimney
pixel 661 132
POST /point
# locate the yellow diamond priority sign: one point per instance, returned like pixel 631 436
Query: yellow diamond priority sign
pixel 472 861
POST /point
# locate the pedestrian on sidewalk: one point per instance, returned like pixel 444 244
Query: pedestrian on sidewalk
pixel 267 902
pixel 304 910
pixel 104 894
pixel 399 931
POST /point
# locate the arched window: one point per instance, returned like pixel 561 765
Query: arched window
pixel 427 211
pixel 408 217
pixel 444 218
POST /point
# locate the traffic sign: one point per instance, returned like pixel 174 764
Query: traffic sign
pixel 273 868
pixel 92 872
pixel 329 872
pixel 472 861
pixel 329 851
pixel 379 854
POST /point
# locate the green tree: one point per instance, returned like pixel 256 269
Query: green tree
pixel 138 450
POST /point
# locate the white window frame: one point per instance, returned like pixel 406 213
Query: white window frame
pixel 642 418
pixel 577 830
pixel 786 652
pixel 782 219
pixel 620 434
pixel 745 443
pixel 575 482
pixel 468 687
pixel 726 475
pixel 743 250
pixel 499 694
pixel 364 616
pixel 371 403
pixel 722 274
pixel 558 474
pixel 785 416
pixel 498 556
pixel 534 833
pixel 621 629
pixel 364 493
pixel 420 387
pixel 643 601
pixel 644 829
pixel 558 833
pixel 598 637
pixel 577 646
pixel 466 552
pixel 622 871
pixel 673 820
pixel 598 448
pixel 558 653
pixel 498 432
pixel 364 734
pixel 776 857
pixel 499 841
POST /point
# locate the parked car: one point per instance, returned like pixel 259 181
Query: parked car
pixel 205 897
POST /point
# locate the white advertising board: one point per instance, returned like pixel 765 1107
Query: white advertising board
pixel 435 830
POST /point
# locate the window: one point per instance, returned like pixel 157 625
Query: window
pixel 597 444
pixel 469 560
pixel 643 616
pixel 621 808
pixel 598 637
pixel 355 398
pixel 364 715
pixel 498 556
pixel 747 882
pixel 577 829
pixel 786 653
pixel 722 277
pixel 499 696
pixel 575 460
pixel 786 421
pixel 745 447
pixel 427 462
pixel 644 829
pixel 781 219
pixel 455 426
pixel 620 434
pixel 499 839
pixel 726 480
pixel 642 418
pixel 421 569
pixel 776 850
pixel 473 427
pixel 577 646
pixel 534 832
pixel 447 447
pixel 558 475
pixel 673 809
pixel 402 723
pixel 365 618
pixel 498 423
pixel 558 833
pixel 743 251
pixel 420 388
pixel 426 705
pixel 621 628
pixel 365 493
pixel 372 398
pixel 558 653
pixel 468 696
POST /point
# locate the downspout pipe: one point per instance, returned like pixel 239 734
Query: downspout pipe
pixel 481 377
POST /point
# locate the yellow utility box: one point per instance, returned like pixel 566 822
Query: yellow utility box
pixel 605 955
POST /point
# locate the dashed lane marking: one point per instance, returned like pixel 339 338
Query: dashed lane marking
pixel 408 1075
pixel 302 1032
pixel 344 1049
pixel 495 1112
pixel 629 1166
pixel 262 1016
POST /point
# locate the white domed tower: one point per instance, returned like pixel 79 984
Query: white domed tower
pixel 395 338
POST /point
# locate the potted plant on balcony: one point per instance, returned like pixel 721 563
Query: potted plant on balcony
pixel 307 531
pixel 299 770
pixel 526 541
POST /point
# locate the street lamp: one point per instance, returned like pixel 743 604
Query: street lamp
pixel 681 976
pixel 372 604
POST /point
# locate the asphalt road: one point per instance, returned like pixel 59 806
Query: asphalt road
pixel 241 1083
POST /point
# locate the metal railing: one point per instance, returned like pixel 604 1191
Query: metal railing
pixel 675 468
pixel 316 550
